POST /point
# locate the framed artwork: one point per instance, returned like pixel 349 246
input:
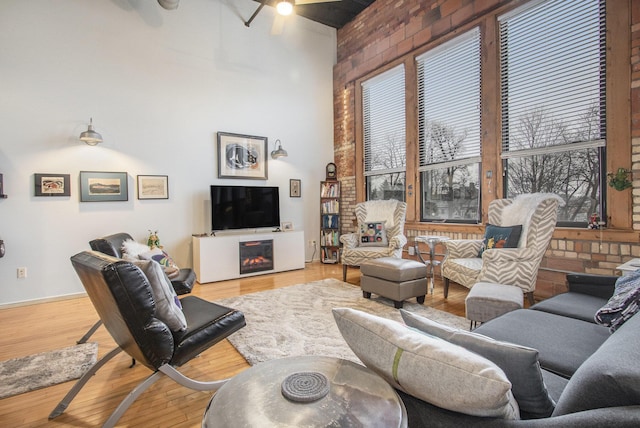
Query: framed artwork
pixel 153 187
pixel 52 184
pixel 2 195
pixel 286 225
pixel 295 188
pixel 242 156
pixel 98 186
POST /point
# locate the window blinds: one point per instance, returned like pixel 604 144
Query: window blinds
pixel 384 122
pixel 552 67
pixel 449 103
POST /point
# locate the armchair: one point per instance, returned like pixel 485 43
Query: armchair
pixel 393 213
pixel 124 298
pixel 537 213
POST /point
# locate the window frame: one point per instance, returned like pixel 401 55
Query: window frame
pixel 541 117
pixel 618 33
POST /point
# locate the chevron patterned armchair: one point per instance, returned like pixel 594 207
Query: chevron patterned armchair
pixel 537 213
pixel 393 213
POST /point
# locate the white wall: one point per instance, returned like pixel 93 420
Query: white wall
pixel 159 84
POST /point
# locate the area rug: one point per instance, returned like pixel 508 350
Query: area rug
pixel 37 371
pixel 297 320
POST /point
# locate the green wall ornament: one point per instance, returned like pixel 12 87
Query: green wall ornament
pixel 620 180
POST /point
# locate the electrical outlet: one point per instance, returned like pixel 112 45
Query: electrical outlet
pixel 22 272
pixel 412 251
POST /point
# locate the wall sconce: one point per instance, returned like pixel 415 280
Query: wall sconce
pixel 279 152
pixel 90 136
pixel 169 4
pixel 285 7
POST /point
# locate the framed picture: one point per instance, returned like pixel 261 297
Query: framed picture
pixel 286 225
pixel 242 156
pixel 153 187
pixel 52 184
pixel 103 186
pixel 295 188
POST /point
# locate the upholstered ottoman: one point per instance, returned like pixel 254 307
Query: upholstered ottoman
pixel 394 278
pixel 487 301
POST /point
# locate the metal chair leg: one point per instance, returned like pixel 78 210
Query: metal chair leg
pixel 88 334
pixel 64 403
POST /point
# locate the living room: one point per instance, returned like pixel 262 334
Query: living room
pixel 160 84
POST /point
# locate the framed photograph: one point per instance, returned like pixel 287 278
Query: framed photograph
pixel 295 188
pixel 242 156
pixel 153 187
pixel 286 225
pixel 52 184
pixel 103 186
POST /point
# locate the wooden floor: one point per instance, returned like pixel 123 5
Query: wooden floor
pixel 43 327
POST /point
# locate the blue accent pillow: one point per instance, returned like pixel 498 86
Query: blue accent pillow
pixel 500 237
pixel 623 304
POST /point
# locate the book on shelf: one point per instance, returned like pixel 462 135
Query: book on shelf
pixel 330 255
pixel 330 238
pixel 330 207
pixel 330 190
pixel 330 221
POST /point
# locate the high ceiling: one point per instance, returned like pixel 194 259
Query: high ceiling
pixel 334 14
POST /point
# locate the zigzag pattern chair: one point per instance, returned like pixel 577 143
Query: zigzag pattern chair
pixel 509 266
pixel 391 211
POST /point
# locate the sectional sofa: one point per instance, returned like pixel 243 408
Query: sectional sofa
pixel 585 375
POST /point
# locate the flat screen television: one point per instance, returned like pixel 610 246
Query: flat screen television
pixel 244 207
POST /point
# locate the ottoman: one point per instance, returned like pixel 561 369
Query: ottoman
pixel 487 301
pixel 394 278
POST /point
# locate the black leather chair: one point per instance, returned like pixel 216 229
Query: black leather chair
pixel 111 245
pixel 121 294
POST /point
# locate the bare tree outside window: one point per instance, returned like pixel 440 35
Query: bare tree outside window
pixel 572 174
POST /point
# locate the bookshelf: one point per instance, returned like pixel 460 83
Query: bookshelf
pixel 330 221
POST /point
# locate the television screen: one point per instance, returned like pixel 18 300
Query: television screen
pixel 244 207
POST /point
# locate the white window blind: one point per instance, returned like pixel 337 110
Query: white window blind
pixel 449 103
pixel 383 100
pixel 552 65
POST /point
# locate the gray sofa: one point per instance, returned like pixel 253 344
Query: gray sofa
pixel 591 375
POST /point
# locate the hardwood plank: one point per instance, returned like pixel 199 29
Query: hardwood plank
pixel 43 327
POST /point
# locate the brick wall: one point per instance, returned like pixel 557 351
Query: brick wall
pixel 389 29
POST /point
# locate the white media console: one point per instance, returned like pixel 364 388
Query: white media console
pixel 216 258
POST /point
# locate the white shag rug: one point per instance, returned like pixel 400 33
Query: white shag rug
pixel 297 320
pixel 37 371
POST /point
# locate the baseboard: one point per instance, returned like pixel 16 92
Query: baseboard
pixel 43 300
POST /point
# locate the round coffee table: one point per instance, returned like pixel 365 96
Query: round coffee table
pixel 355 396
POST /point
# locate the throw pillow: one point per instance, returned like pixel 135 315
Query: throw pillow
pixel 132 249
pixel 428 368
pixel 373 234
pixel 168 306
pixel 170 267
pixel 500 237
pixel 623 304
pixel 519 363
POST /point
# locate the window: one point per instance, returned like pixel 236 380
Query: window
pixel 449 129
pixel 384 135
pixel 552 71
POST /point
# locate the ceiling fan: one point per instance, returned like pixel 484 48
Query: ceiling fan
pixel 284 8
